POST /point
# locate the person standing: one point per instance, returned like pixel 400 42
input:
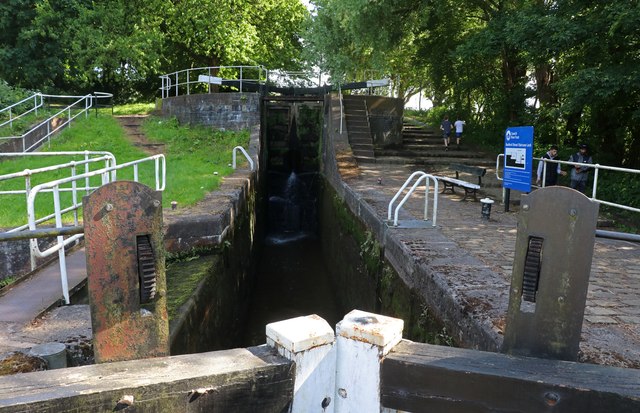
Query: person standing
pixel 459 124
pixel 580 173
pixel 553 169
pixel 445 127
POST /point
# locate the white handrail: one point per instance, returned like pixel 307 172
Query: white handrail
pixel 422 176
pixel 246 155
pixel 35 107
pixel 88 103
pixel 167 83
pixel 341 109
pixel 70 164
pixel 596 167
pixel 108 158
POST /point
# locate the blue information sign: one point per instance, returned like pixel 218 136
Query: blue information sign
pixel 518 158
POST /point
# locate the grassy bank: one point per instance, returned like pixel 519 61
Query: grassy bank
pixel 193 154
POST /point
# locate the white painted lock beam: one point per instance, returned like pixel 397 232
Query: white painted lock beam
pixel 363 339
pixel 309 342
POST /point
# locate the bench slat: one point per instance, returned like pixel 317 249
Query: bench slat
pixel 472 170
pixel 459 182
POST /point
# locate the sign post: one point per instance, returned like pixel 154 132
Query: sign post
pixel 518 160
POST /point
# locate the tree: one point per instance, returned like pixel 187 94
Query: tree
pixel 122 46
pixel 227 32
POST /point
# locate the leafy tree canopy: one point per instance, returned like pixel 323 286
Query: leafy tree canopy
pixel 568 67
pixel 121 46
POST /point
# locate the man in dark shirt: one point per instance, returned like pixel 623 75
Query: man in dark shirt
pixel 445 127
pixel 553 169
pixel 580 173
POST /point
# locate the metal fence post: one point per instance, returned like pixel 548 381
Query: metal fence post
pixel 61 254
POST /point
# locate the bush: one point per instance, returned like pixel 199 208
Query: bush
pixel 10 95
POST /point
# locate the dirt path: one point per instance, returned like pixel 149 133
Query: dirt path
pixel 132 125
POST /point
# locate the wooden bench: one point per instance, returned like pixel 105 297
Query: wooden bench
pixel 451 183
pixel 469 188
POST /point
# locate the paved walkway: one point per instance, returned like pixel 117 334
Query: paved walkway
pixel 25 302
pixel 611 329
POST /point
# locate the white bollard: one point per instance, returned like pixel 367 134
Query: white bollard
pixel 363 339
pixel 309 342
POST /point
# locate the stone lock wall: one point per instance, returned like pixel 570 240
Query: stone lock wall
pixel 234 111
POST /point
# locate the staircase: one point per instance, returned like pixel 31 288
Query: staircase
pixel 357 119
pixel 423 146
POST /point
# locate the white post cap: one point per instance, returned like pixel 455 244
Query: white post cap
pixel 300 333
pixel 376 329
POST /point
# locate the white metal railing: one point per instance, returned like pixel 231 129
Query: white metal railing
pixel 38 102
pixel 72 111
pixel 341 108
pixel 246 155
pixel 173 82
pixel 596 167
pixel 422 176
pixel 107 174
pixel 99 156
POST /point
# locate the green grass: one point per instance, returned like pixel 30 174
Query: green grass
pixel 193 154
pixel 134 109
pixel 19 126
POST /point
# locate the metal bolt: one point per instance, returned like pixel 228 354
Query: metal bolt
pixel 156 203
pixel 573 212
pixel 525 207
pixel 561 300
pixel 109 207
pixel 551 399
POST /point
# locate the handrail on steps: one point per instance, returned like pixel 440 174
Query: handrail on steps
pixel 246 155
pixel 421 176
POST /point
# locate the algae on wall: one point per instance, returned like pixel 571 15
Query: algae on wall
pixel 362 278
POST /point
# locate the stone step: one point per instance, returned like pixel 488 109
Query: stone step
pixel 360 140
pixel 436 152
pixel 442 162
pixel 358 125
pixel 359 131
pixel 365 159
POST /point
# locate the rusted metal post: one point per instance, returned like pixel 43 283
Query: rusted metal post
pixel 126 272
pixel 554 249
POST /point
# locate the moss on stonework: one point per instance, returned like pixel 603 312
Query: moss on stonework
pixel 398 300
pixel 370 250
pixel 183 277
